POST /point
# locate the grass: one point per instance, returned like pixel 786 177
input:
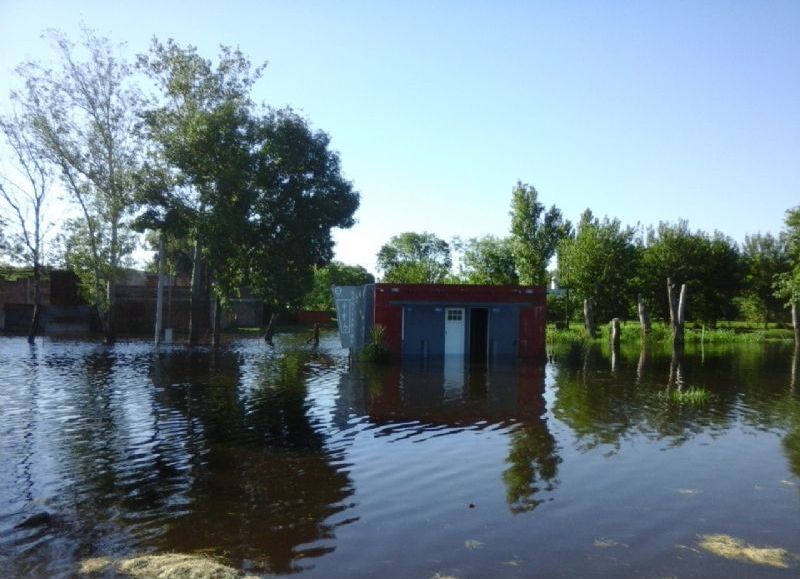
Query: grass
pixel 724 333
pixel 692 396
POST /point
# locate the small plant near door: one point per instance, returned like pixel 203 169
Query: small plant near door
pixel 376 351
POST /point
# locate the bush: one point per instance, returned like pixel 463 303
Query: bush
pixel 376 351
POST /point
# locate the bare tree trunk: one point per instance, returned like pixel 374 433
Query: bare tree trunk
pixel 216 323
pixel 796 323
pixel 614 333
pixel 160 290
pixel 196 308
pixel 644 317
pixel 588 317
pixel 270 328
pixel 677 312
pixel 111 336
pixel 37 303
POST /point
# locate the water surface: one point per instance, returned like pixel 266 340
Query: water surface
pixel 285 461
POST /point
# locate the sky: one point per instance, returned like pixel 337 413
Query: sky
pixel 641 111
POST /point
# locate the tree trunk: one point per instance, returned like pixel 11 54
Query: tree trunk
pixel 37 303
pixel 796 323
pixel 677 312
pixel 160 290
pixel 196 307
pixel 644 317
pixel 270 328
pixel 215 323
pixel 588 317
pixel 615 333
pixel 110 291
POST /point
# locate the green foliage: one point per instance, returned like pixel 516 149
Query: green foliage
pixel 84 117
pixel 710 265
pixel 535 234
pixel 335 273
pixel 489 260
pixel 601 262
pixel 764 258
pixel 376 351
pixel 787 284
pixel 414 258
pixel 264 190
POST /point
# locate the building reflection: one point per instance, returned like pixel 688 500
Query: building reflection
pixel 441 395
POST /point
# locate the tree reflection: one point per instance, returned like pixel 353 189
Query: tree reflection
pixel 604 408
pixel 265 484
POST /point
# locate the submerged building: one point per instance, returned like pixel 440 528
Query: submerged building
pixel 476 322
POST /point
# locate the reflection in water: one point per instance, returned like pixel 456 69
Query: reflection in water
pixel 267 484
pixel 510 396
pixel 215 453
pixel 277 461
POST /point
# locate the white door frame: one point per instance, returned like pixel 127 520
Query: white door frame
pixel 454 331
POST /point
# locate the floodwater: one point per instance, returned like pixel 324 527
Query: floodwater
pixel 282 461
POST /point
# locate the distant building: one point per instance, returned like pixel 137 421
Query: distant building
pixel 475 322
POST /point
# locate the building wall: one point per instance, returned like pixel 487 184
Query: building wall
pixel 516 317
pixel 424 330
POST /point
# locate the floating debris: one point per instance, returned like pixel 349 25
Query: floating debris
pixel 169 566
pixel 737 550
pixel 689 492
pixel 604 543
pixel 473 544
pixel 788 483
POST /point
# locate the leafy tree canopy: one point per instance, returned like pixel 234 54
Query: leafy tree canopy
pixel 535 234
pixel 489 260
pixel 415 258
pixel 601 262
pixel 710 265
pixel 335 273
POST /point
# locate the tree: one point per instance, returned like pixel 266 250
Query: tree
pixel 489 260
pixel 335 273
pixel 25 200
pixel 764 258
pixel 85 116
pixel 264 189
pixel 710 266
pixel 197 119
pixel 535 234
pixel 787 285
pixel 600 262
pixel 299 196
pixel 414 258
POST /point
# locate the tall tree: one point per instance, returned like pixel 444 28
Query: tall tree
pixel 765 258
pixel 535 234
pixel 25 197
pixel 600 262
pixel 197 119
pixel 266 189
pixel 489 260
pixel 84 114
pixel 414 258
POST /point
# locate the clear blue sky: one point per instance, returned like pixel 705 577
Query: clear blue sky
pixel 644 111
